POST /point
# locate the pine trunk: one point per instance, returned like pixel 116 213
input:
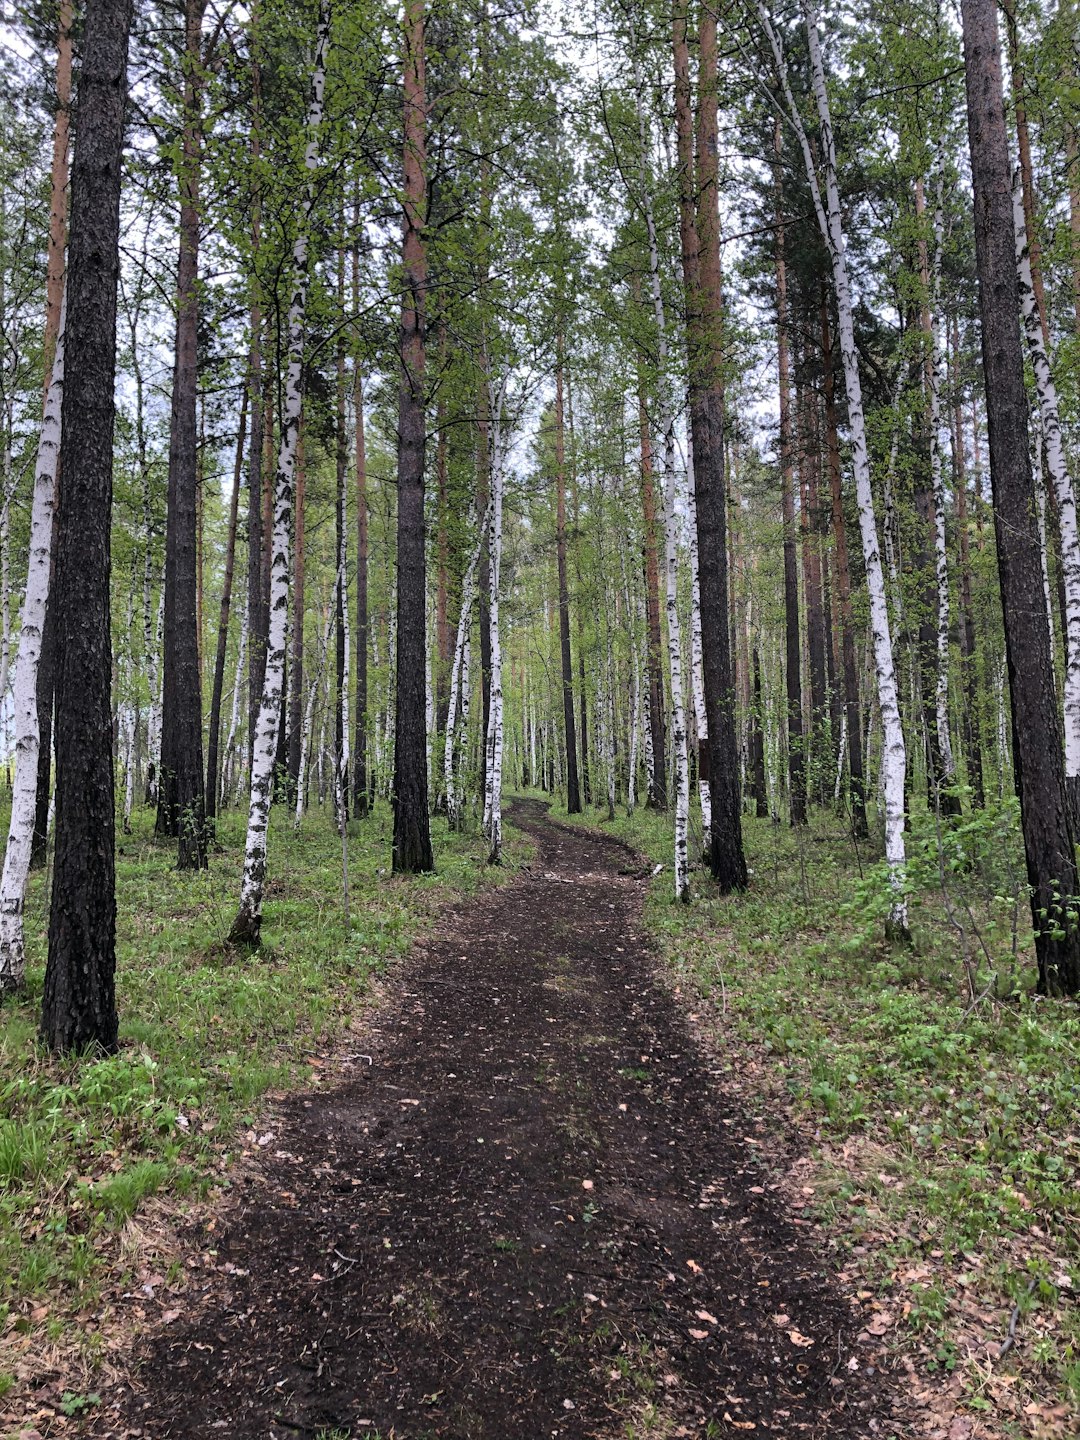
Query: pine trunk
pixel 412 840
pixel 1037 749
pixel 79 1004
pixel 181 794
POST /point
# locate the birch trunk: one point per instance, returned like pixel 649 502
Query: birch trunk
pixel 457 715
pixel 671 576
pixel 697 669
pixel 494 743
pixel 24 790
pixel 248 923
pixel 1057 469
pixel 234 713
pixel 894 758
pixel 943 767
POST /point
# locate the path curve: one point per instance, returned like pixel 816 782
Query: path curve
pixel 533 1217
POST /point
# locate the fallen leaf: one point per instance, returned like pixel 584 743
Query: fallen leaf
pixel 798 1338
pixel 704 1315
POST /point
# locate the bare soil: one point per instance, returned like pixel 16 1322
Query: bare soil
pixel 533 1214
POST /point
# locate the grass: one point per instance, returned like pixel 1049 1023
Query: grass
pixel 938 1095
pixel 206 1032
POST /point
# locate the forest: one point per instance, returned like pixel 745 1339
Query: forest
pixel 540 719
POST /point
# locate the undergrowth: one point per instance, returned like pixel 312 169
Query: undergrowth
pixel 205 1032
pixel 940 1090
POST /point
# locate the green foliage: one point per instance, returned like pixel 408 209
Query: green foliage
pixel 939 1058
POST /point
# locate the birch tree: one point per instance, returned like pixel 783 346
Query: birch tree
pixel 828 213
pixel 1057 468
pixel 246 928
pixel 27 733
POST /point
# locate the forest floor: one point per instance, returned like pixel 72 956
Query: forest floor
pixel 529 1208
pixel 583 1162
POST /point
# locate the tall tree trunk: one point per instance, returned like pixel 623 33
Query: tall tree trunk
pixel 54 295
pixel 360 748
pixel 256 618
pixel 483 494
pixel 809 465
pixel 247 926
pixel 1065 495
pixel 700 237
pixel 573 791
pixel 658 768
pixel 341 628
pixel 24 791
pixel 493 739
pixel 458 712
pixel 1037 751
pixel 894 758
pixel 79 1004
pixel 757 744
pixel 793 644
pixel 935 612
pixel 442 555
pixel 213 743
pixel 969 676
pixel 181 796
pixel 296 670
pixel 412 840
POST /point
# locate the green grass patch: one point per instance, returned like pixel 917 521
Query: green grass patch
pixel 942 1091
pixel 206 1030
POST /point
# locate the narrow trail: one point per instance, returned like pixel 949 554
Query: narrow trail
pixel 534 1215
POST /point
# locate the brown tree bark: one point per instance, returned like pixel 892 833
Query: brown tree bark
pixel 181 794
pixel 412 840
pixel 79 1004
pixel 699 227
pixel 1037 740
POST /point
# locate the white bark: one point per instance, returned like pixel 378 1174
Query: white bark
pixel 697 667
pixel 498 442
pixel 305 726
pixel 941 555
pixel 234 714
pixel 679 758
pixel 1060 479
pixel 27 734
pixel 633 618
pixel 1044 548
pixel 249 917
pixel 155 679
pixel 458 715
pixel 894 758
pixel 127 710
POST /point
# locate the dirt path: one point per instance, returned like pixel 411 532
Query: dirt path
pixel 532 1216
